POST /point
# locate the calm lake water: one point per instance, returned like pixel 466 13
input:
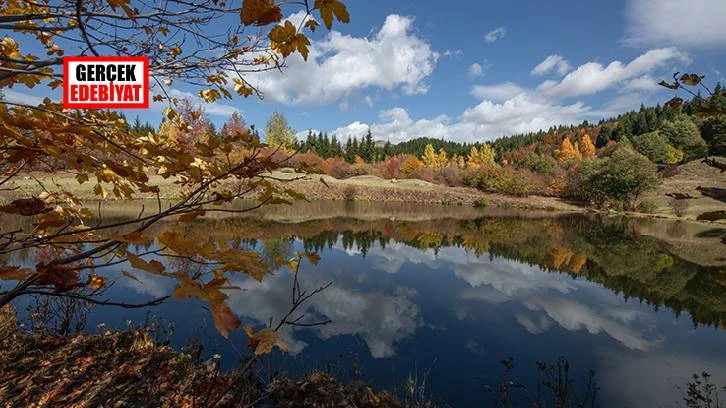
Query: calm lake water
pixel 445 293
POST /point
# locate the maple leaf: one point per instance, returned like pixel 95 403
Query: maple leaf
pixel 691 79
pixel 62 278
pixel 136 238
pixel 264 340
pixel 260 12
pixel 224 319
pixel 152 266
pixel 286 40
pixel 328 8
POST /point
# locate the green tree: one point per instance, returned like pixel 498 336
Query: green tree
pixel 619 178
pixel 278 132
pixel 683 134
pixel 655 147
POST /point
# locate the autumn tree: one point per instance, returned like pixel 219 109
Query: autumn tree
pixel 434 160
pixel 586 148
pixel 483 156
pixel 278 132
pixel 185 45
pixel 566 151
pixel 234 125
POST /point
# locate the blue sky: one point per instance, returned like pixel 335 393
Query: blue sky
pixel 479 70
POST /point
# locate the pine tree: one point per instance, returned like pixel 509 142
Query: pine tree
pixel 349 152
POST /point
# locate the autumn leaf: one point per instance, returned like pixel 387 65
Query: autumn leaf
pixel 674 85
pixel 224 319
pixel 14 273
pixel 152 266
pixel 62 278
pixel 328 8
pixel 674 103
pixel 260 12
pixel 691 79
pixel 96 282
pixel 136 238
pixel 180 244
pixel 312 257
pixel 286 40
pixel 25 206
pixel 264 340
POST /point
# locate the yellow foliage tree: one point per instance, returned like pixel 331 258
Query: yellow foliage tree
pixel 410 165
pixel 480 157
pixel 566 151
pixel 586 148
pixel 434 160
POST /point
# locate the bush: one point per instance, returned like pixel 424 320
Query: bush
pixel 544 164
pixel 338 168
pixel 450 175
pixel 308 162
pixel 618 179
pixel 409 165
pixel 646 207
pixel 495 179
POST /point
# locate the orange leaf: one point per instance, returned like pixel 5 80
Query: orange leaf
pixel 96 282
pixel 260 12
pixel 264 340
pixel 224 319
pixel 14 273
pixel 152 266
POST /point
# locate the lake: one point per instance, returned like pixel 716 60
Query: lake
pixel 443 294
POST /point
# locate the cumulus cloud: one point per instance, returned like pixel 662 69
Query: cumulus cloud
pixel 496 34
pixel 553 62
pixel 696 23
pixel 339 65
pixel 379 318
pixel 593 77
pixel 498 92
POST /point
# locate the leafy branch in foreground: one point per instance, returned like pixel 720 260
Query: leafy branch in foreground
pixel 185 43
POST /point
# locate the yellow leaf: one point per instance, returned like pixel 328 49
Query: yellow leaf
pixel 96 282
pixel 328 8
pixel 264 340
pixel 224 319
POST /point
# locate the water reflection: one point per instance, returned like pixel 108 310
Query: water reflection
pixel 633 299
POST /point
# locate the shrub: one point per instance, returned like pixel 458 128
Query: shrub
pixel 424 173
pixel 618 178
pixel 409 165
pixel 646 207
pixel 495 179
pixel 450 175
pixel 539 163
pixel 308 162
pixel 338 168
pixel 679 207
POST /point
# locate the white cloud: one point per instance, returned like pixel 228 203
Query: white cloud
pixel 477 70
pixel 593 77
pixel 496 34
pixel 453 53
pixel 339 65
pixel 498 92
pixel 695 23
pixel 553 62
pixel 20 97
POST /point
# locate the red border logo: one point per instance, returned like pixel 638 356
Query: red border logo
pixel 142 102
